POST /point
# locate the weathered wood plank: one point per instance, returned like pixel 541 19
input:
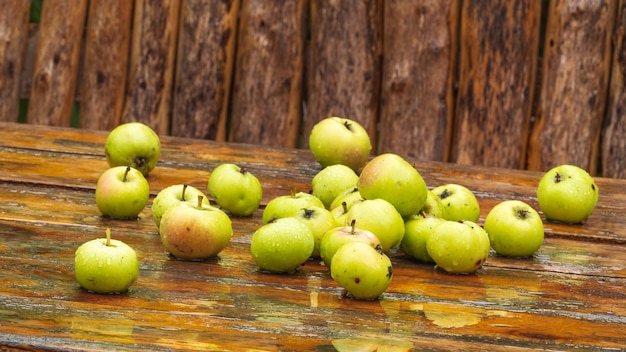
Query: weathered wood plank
pixel 204 68
pixel 13 43
pixel 56 64
pixel 151 71
pixel 417 98
pixel 497 69
pixel 267 91
pixel 574 83
pixel 344 74
pixel 103 81
pixel 613 146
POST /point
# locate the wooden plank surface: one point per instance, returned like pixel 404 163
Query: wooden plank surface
pixel 568 296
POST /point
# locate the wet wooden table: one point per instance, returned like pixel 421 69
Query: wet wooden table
pixel 570 295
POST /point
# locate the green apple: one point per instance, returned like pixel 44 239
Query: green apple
pixel 172 196
pixel 133 144
pixel 195 232
pixel 568 194
pixel 319 220
pixel 379 217
pixel 363 271
pixel 235 189
pixel 515 229
pixel 337 140
pixel 105 265
pixel 282 245
pixel 288 205
pixel 390 177
pixel 458 246
pixel 329 182
pixel 336 237
pixel 122 192
pixel 459 202
pixel 350 196
pixel 416 234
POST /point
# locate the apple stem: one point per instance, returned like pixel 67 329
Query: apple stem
pixel 345 207
pixel 126 173
pixel 182 196
pixel 108 232
pixel 353 224
pixel 200 201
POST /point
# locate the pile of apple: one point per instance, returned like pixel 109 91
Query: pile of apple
pixel 359 209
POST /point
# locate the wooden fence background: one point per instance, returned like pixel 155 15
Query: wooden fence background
pixel 508 83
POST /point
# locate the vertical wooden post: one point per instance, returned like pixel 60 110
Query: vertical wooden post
pixel 267 92
pixel 204 65
pixel 13 39
pixel 418 78
pixel 499 46
pixel 614 129
pixel 574 84
pixel 345 63
pixel 106 60
pixel 56 64
pixel 153 53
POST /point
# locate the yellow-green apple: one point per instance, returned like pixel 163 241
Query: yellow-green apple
pixel 567 193
pixel 416 234
pixel 282 245
pixel 319 220
pixel 363 271
pixel 339 214
pixel 337 140
pixel 432 208
pixel 173 195
pixel 105 265
pixel 235 189
pixel 195 232
pixel 288 205
pixel 459 202
pixel 379 217
pixel 390 177
pixel 133 144
pixel 329 182
pixel 515 229
pixel 122 192
pixel 458 246
pixel 349 196
pixel 336 237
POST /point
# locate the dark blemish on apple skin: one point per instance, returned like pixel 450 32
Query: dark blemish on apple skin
pixel 389 272
pixel 445 194
pixel 557 178
pixel 357 280
pixel 593 187
pixel 479 262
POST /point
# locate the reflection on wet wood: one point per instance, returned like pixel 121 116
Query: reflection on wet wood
pixel 569 295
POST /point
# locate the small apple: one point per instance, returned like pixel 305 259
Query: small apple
pixel 329 182
pixel 172 196
pixel 339 214
pixel 568 194
pixel 105 265
pixel 458 246
pixel 515 229
pixel 288 205
pixel 363 271
pixel 433 208
pixel 349 196
pixel 459 202
pixel 336 237
pixel 337 140
pixel 390 177
pixel 195 232
pixel 416 234
pixel 379 217
pixel 235 189
pixel 133 144
pixel 122 192
pixel 319 220
pixel 282 245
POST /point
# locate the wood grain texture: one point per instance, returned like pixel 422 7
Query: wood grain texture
pixel 574 84
pixel 204 67
pixel 56 66
pixel 106 61
pixel 496 82
pixel 417 98
pixel 151 72
pixel 613 148
pixel 344 71
pixel 13 43
pixel 267 92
